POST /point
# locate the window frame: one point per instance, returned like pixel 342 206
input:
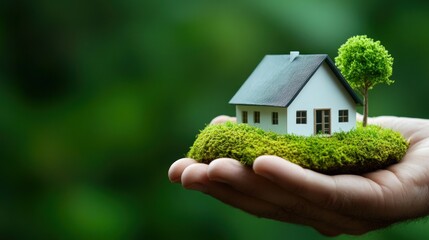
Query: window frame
pixel 244 117
pixel 256 117
pixel 322 120
pixel 275 118
pixel 343 116
pixel 301 117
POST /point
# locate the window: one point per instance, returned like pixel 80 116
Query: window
pixel 244 116
pixel 343 116
pixel 301 117
pixel 275 118
pixel 256 117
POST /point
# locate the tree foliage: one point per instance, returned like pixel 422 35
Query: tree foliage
pixel 364 63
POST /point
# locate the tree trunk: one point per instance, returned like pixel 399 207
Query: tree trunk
pixel 365 107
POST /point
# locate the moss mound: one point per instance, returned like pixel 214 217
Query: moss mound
pixel 358 151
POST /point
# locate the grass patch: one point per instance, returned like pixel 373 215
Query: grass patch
pixel 357 151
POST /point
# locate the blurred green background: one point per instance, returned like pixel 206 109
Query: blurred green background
pixel 98 98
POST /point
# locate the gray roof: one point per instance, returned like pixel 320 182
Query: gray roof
pixel 276 81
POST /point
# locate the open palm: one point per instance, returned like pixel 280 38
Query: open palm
pixel 351 204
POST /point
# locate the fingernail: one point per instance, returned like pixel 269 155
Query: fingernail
pixel 197 187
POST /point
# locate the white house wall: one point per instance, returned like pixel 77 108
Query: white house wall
pixel 265 117
pixel 323 91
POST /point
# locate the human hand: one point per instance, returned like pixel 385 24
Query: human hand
pixel 341 204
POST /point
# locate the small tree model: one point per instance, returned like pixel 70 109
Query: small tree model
pixel 364 63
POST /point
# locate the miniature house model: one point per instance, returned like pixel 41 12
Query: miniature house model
pixel 297 94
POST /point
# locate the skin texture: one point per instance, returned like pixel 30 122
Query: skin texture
pixel 341 204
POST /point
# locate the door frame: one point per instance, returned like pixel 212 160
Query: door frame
pixel 323 120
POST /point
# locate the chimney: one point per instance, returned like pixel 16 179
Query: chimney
pixel 293 55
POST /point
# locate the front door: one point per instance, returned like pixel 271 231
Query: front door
pixel 322 121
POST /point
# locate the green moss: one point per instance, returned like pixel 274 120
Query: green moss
pixel 358 151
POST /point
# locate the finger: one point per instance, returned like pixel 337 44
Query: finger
pixel 244 180
pixel 383 121
pixel 294 178
pixel 222 119
pixel 359 117
pixel 406 128
pixel 346 194
pixel 195 177
pixel 411 128
pixel 176 169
